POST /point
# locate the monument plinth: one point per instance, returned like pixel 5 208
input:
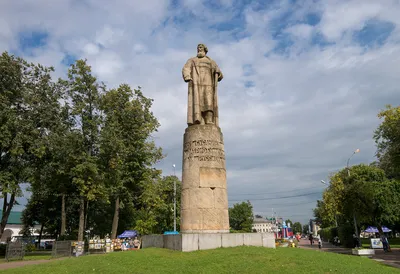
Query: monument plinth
pixel 204 203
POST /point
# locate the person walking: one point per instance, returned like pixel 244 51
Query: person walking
pixel 319 242
pixel 310 237
pixel 385 243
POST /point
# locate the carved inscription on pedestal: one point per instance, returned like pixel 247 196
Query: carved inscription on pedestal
pixel 204 150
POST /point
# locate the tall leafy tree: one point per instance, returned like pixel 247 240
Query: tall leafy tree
pixel 382 199
pixel 84 98
pixel 297 228
pixel 387 139
pixel 305 229
pixel 241 216
pixel 29 104
pixel 50 179
pixel 363 192
pixel 154 213
pixel 126 148
pixel 328 210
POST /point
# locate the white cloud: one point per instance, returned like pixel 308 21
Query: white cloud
pixel 91 49
pixel 301 31
pixel 307 110
pixel 341 16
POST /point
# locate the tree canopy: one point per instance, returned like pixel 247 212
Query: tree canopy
pixel 241 217
pixel 86 152
pixel 367 194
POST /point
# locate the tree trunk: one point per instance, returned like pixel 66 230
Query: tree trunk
pixel 40 235
pixel 63 216
pixel 81 219
pixel 7 206
pixel 115 220
pixel 86 215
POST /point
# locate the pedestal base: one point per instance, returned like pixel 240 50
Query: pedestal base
pixel 203 241
pixel 204 203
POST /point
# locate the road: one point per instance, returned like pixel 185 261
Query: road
pixel 390 258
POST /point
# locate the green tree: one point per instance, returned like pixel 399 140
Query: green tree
pixel 362 192
pixel 28 106
pixel 288 221
pixel 126 150
pixel 84 93
pixel 154 213
pixel 241 216
pixel 165 217
pixel 387 139
pixel 328 210
pixel 50 181
pixel 305 229
pixel 297 228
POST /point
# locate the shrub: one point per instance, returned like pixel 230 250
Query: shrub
pixel 345 233
pixel 30 247
pixel 3 248
pixel 327 234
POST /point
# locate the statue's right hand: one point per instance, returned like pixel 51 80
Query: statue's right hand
pixel 188 79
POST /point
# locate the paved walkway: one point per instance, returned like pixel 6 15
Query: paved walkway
pixel 390 258
pixel 15 264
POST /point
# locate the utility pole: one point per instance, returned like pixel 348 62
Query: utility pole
pixel 174 198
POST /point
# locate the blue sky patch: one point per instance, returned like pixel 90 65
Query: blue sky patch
pixel 247 70
pixel 284 43
pixel 249 84
pixel 318 39
pixel 30 40
pixel 312 19
pixel 69 59
pixel 374 33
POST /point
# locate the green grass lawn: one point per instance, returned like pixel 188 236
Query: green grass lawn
pixel 223 260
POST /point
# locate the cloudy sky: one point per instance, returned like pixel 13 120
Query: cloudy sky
pixel 303 80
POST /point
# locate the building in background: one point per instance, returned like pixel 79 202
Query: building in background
pixel 264 225
pixel 14 226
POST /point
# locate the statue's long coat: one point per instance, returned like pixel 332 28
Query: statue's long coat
pixel 195 104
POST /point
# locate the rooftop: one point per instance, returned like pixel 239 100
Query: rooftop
pixel 261 221
pixel 15 218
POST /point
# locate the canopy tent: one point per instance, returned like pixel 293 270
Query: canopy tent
pixel 128 234
pixel 373 229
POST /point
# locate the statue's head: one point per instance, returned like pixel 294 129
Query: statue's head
pixel 201 50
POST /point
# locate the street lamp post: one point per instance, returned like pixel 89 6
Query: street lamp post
pixel 174 198
pixel 354 212
pixel 348 160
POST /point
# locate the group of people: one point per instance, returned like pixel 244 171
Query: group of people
pixel 130 244
pixel 357 242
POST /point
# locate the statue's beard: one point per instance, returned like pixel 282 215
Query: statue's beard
pixel 201 54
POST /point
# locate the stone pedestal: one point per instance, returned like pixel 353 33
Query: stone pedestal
pixel 201 241
pixel 204 203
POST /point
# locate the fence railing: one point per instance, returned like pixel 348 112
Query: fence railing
pixel 15 251
pixel 62 249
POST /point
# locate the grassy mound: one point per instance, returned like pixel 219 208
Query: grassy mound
pixel 223 260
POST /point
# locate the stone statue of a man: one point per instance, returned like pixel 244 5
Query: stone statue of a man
pixel 202 75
